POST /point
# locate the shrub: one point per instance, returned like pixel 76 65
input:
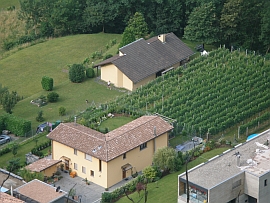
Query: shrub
pixel 90 73
pixel 76 73
pixel 150 173
pixel 106 197
pixel 107 56
pixel 52 97
pixel 62 111
pixel 47 83
pixel 17 126
pixel 40 117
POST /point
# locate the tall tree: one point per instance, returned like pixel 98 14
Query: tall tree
pixel 31 12
pixel 203 25
pixel 230 20
pixel 128 37
pixel 100 13
pixel 138 26
pixel 9 100
pixel 265 29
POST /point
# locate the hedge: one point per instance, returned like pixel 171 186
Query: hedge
pixel 17 126
pixel 47 83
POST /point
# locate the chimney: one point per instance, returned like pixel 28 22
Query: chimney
pixel 155 131
pixel 162 38
pixel 238 160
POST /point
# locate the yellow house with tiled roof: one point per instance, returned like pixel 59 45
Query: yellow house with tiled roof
pixel 106 159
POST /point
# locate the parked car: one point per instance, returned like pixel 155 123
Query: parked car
pixel 4 139
pixel 42 127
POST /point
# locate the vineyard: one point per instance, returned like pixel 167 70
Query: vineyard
pixel 209 94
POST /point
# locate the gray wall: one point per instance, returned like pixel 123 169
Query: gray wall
pixel 224 192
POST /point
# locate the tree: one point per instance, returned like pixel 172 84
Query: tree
pixel 52 97
pixel 203 25
pixel 167 159
pixel 128 37
pixel 76 73
pixel 13 165
pixel 138 26
pixel 47 83
pixel 40 117
pixel 265 28
pixel 90 73
pixel 14 149
pixel 100 13
pixel 9 100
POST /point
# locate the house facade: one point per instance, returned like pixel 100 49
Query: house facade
pixel 143 60
pixel 239 175
pixel 106 159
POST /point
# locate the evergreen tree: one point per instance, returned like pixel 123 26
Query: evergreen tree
pixel 203 25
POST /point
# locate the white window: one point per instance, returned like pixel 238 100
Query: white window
pixel 75 166
pixel 88 157
pixel 75 151
pixel 83 169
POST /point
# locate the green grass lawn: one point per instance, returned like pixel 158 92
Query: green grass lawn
pixel 6 3
pixel 25 68
pixel 166 188
pixel 22 150
pixel 115 122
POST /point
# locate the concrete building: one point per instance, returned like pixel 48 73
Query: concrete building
pixel 106 159
pixel 239 175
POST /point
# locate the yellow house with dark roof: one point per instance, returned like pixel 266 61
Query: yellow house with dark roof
pixel 106 159
pixel 143 60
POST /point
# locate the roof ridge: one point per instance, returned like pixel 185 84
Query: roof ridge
pixel 87 133
pixel 130 129
pixel 131 43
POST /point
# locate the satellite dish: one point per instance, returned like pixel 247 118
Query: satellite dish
pixel 57 189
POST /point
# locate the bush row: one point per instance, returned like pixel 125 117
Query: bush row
pixel 37 150
pixel 9 44
pixel 17 126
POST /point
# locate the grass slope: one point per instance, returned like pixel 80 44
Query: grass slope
pixel 23 71
pixel 166 188
pixel 6 3
pixel 25 68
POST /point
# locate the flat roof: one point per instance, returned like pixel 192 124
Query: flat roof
pixel 13 180
pixel 254 158
pixel 40 191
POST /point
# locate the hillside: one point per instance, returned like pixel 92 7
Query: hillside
pixel 210 94
pixel 23 70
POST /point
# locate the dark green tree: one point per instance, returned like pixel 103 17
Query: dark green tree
pixel 52 97
pixel 203 25
pixel 14 149
pixel 138 26
pixel 77 73
pixel 265 28
pixel 100 13
pixel 90 73
pixel 128 37
pixel 40 117
pixel 231 19
pixel 9 100
pixel 47 83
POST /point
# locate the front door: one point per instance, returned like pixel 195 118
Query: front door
pixel 66 164
pixel 124 174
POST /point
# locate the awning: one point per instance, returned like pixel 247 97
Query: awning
pixel 126 167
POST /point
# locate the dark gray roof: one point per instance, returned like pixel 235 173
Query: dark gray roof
pixel 143 58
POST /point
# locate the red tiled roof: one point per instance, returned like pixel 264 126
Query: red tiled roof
pixel 113 144
pixel 42 164
pixel 6 198
pixel 40 191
